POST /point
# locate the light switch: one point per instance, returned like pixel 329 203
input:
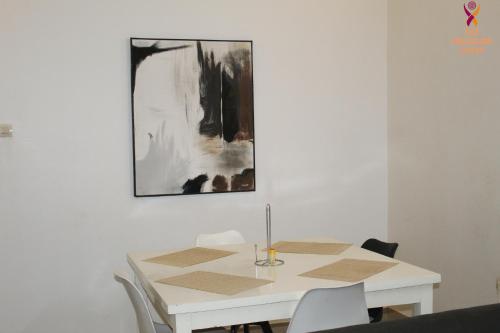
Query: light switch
pixel 6 130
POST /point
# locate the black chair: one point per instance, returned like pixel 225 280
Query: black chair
pixel 385 249
pixel 264 325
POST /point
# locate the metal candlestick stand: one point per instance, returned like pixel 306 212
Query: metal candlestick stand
pixel 271 253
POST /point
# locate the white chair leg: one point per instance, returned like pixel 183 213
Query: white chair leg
pixel 156 317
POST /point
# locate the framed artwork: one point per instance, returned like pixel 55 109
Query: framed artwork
pixel 192 114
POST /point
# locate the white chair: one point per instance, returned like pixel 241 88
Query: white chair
pixel 144 319
pixel 230 237
pixel 329 308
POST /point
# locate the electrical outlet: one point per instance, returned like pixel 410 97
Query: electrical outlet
pixel 6 130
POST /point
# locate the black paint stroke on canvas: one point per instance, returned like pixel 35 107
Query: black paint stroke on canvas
pixel 138 54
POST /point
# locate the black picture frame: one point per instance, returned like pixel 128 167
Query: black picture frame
pixel 245 181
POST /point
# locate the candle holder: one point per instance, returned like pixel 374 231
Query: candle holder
pixel 271 253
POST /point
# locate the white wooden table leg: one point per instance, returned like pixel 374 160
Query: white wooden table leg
pixel 426 302
pixel 182 323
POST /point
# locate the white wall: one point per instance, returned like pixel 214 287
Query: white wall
pixel 67 214
pixel 444 156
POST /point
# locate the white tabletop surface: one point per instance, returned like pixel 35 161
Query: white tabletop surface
pixel 287 284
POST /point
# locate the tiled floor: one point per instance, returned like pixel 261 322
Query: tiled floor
pixel 390 314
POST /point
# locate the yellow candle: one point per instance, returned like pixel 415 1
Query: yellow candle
pixel 271 255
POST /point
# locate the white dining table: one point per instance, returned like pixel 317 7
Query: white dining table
pixel 188 309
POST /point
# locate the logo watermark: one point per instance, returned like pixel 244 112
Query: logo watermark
pixel 472 42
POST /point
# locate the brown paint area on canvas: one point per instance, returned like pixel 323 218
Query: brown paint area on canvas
pixel 246 103
pixel 219 184
pixel 243 181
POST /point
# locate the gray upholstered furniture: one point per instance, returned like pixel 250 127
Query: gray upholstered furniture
pixel 484 319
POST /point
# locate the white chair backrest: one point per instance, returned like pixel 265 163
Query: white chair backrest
pixel 329 308
pixel 230 237
pixel 144 319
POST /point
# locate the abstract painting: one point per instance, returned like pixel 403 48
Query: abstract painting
pixel 193 119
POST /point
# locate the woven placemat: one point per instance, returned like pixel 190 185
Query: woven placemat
pixel 190 257
pixel 310 247
pixel 349 270
pixel 217 283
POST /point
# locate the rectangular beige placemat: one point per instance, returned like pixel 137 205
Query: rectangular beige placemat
pixel 349 270
pixel 196 255
pixel 217 283
pixel 310 247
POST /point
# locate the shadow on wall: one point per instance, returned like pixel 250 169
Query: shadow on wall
pixel 79 315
